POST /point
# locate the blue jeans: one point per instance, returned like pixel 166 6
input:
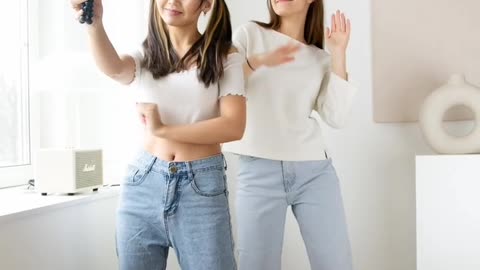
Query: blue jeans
pixel 266 188
pixel 183 205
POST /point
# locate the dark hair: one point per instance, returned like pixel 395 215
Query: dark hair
pixel 208 52
pixel 314 25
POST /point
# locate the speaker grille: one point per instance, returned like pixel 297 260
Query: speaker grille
pixel 88 169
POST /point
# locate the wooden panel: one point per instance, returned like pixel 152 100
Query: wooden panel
pixel 417 45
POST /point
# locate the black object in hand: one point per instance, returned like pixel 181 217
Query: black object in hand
pixel 87 16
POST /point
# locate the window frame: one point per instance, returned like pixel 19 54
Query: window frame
pixel 17 175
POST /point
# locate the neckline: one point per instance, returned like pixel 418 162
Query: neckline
pixel 289 38
pixel 195 68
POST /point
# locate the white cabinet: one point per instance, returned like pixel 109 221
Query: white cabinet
pixel 448 212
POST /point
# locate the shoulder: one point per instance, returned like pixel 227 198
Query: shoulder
pixel 232 50
pixel 250 28
pixel 234 57
pixel 253 26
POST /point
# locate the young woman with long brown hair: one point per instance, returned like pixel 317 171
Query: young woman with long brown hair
pixel 190 90
pixel 282 156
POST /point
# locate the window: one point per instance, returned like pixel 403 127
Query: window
pixel 15 143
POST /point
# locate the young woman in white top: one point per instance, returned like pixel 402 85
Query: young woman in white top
pixel 190 90
pixel 283 161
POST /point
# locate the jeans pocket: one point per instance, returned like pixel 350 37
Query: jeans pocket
pixel 209 183
pixel 134 176
pixel 320 166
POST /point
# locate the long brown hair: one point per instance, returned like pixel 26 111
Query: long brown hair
pixel 314 25
pixel 207 53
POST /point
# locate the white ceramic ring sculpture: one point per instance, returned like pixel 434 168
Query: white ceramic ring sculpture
pixel 456 92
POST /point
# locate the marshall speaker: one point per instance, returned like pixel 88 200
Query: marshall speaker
pixel 68 171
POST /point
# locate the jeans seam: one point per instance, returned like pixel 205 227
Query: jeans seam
pixel 165 211
pixel 170 211
pixel 284 179
pixel 231 232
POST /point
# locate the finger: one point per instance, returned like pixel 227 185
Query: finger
pixel 343 23
pixel 287 47
pixel 140 107
pixel 283 61
pixel 327 32
pixel 78 14
pixel 334 28
pixel 77 4
pixel 348 27
pixel 286 60
pixel 293 49
pixel 337 20
pixel 288 54
pixel 147 105
pixel 283 50
pixel 154 106
pixel 297 47
pixel 291 54
pixel 142 118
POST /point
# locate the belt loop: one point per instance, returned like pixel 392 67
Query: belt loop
pixel 190 169
pixel 224 162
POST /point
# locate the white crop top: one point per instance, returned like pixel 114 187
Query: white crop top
pixel 181 97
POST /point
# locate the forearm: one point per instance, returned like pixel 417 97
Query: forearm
pixel 254 62
pixel 213 131
pixel 105 55
pixel 247 71
pixel 339 64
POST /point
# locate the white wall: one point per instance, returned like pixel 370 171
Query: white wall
pixel 76 237
pixel 375 162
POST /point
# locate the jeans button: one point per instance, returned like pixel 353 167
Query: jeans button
pixel 173 170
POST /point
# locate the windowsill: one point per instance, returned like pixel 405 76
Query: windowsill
pixel 19 202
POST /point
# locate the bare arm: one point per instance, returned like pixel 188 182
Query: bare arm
pixel 282 55
pixel 119 68
pixel 229 126
pixel 336 94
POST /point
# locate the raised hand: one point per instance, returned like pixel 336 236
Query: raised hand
pixel 97 10
pixel 279 56
pixel 338 36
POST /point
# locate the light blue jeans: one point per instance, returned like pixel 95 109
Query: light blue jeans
pixel 266 188
pixel 183 205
